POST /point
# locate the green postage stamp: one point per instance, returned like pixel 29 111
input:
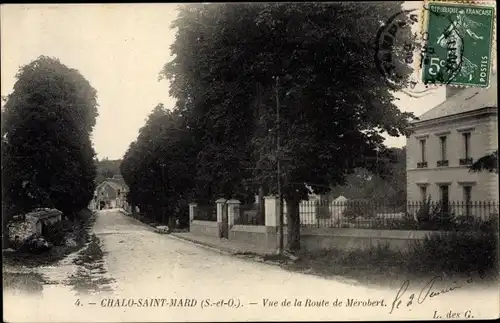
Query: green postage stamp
pixel 459 39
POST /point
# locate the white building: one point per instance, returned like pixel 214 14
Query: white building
pixel 447 140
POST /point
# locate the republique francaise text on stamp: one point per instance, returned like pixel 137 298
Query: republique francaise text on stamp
pixel 461 36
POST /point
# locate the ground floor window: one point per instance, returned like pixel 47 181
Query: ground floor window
pixel 445 197
pixel 467 199
pixel 423 193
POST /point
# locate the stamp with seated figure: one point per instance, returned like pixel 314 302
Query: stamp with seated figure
pixel 461 36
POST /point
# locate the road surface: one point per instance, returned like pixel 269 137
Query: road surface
pixel 144 276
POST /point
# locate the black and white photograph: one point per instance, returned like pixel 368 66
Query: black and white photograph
pixel 258 161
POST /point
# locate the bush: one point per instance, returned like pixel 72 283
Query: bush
pixel 55 233
pixel 434 217
pixel 458 251
pixel 405 223
pixel 323 211
pixel 357 209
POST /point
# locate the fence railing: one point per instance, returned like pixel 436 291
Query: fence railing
pixel 418 215
pixel 205 213
pixel 249 215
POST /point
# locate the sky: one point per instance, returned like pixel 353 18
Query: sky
pixel 120 49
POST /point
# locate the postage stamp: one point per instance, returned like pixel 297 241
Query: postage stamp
pixel 459 38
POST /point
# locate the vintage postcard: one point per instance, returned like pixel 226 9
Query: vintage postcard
pixel 224 162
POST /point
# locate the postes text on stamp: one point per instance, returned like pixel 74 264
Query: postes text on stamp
pixel 461 36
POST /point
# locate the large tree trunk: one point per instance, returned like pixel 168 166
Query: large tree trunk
pixel 293 224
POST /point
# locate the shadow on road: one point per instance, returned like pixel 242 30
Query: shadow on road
pixel 31 283
pixel 90 274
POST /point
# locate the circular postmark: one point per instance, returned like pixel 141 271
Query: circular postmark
pixel 398 48
pixel 395 48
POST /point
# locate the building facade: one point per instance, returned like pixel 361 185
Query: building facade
pixel 447 140
pixel 110 194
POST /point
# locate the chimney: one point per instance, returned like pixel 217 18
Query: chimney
pixel 452 90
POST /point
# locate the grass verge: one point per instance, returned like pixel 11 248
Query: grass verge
pixel 452 256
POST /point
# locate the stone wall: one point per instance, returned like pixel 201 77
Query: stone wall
pixel 267 237
pixel 207 228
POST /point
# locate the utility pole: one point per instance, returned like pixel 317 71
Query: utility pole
pixel 278 159
pixel 163 191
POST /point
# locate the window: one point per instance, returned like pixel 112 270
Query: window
pixel 119 192
pixel 443 147
pixel 466 137
pixel 423 192
pixel 445 198
pixel 444 159
pixel 422 150
pixel 467 199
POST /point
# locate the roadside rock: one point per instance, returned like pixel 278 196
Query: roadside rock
pixel 70 242
pixel 23 231
pixel 162 229
pixel 35 245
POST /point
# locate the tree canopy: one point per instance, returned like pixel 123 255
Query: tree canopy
pixel 48 158
pixel 383 182
pixel 157 167
pixel 107 168
pixel 487 163
pixel 235 66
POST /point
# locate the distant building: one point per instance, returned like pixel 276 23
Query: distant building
pixel 447 140
pixel 111 193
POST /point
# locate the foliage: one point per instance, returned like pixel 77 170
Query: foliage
pixel 358 209
pixel 433 216
pixel 55 233
pixel 439 222
pixel 456 251
pixel 157 167
pixel 382 181
pixel 232 66
pixel 486 163
pixel 407 222
pixel 107 168
pixel 454 255
pixel 46 148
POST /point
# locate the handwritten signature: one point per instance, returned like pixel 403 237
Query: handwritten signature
pixel 428 291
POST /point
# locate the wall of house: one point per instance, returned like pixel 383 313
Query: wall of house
pixel 110 196
pixel 483 140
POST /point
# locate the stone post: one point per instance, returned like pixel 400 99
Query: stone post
pixel 192 209
pixel 220 208
pixel 272 207
pixel 233 207
pixel 272 211
pixel 221 204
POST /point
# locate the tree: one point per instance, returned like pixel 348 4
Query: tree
pixel 235 66
pixel 486 163
pixel 107 168
pixel 383 181
pixel 48 159
pixel 157 167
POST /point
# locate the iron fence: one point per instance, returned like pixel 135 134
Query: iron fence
pixel 205 213
pixel 418 215
pixel 249 215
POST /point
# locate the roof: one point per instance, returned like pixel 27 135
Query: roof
pixel 467 100
pixel 115 183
